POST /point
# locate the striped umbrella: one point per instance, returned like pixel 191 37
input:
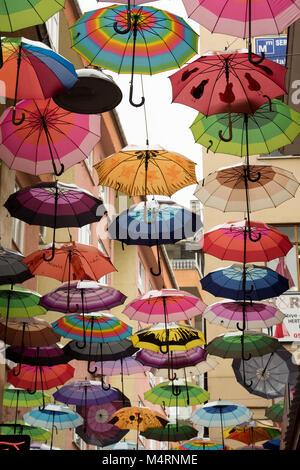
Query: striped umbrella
pixel 53 416
pixel 252 434
pixel 156 41
pixel 202 444
pixel 20 427
pixel 12 268
pixel 17 397
pixel 177 393
pixel 172 432
pixel 273 125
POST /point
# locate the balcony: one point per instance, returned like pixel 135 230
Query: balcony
pixel 184 264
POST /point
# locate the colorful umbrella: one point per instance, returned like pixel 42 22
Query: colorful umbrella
pixel 146 170
pixel 260 282
pixel 96 429
pixel 179 359
pixel 224 189
pixel 251 434
pixel 257 314
pixel 33 378
pixel 272 126
pixel 156 40
pixel 226 242
pixel 219 414
pixel 227 83
pixel 202 444
pixel 49 140
pixel 177 393
pixel 268 374
pixel 204 366
pixel 37 356
pixel 53 416
pixel 165 305
pixel 174 338
pixel 236 344
pixel 171 432
pixel 35 433
pixel 32 70
pixel 27 332
pixel 71 261
pixel 17 397
pixel 12 268
pixel 86 296
pixel 162 223
pixel 275 412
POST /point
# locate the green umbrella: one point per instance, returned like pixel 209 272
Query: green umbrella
pixel 17 397
pixel 171 433
pixel 36 434
pixel 275 412
pixel 236 345
pixel 177 393
pixel 19 302
pixel 272 126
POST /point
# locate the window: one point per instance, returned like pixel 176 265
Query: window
pixel 289 266
pixel 78 441
pixel 85 235
pixel 52 26
pixel 141 277
pixel 18 229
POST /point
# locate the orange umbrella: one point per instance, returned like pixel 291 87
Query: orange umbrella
pixel 146 170
pixel 252 434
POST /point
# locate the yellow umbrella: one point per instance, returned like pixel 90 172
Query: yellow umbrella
pixel 139 171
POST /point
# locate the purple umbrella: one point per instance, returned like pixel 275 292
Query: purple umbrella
pixel 122 366
pixel 56 205
pixel 87 296
pixel 85 393
pixel 97 430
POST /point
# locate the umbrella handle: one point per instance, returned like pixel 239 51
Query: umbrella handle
pixel 92 372
pixel 22 351
pixel 253 61
pixel 136 105
pixel 51 256
pixel 105 387
pixel 161 349
pixel 158 262
pixel 175 390
pixel 225 139
pixel 124 31
pixel 250 58
pixel 15 121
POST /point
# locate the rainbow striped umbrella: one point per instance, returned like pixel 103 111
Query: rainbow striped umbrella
pixel 202 444
pixel 156 41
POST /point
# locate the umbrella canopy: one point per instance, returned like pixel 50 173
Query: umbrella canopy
pixel 257 314
pixel 261 282
pixel 163 41
pixel 99 328
pixel 251 434
pixel 62 417
pixel 227 242
pixel 22 14
pixel 140 418
pixel 123 445
pixel 165 305
pixel 96 429
pixel 178 359
pixel 12 268
pixel 173 338
pixel 237 344
pixel 17 397
pixel 202 444
pixel 35 433
pixel 71 261
pixel 224 189
pixel 49 140
pixel 34 356
pixel 32 70
pixel 171 432
pixel 34 378
pixel 230 17
pixel 272 126
pixel 55 204
pixel 275 412
pixel 85 393
pixel 272 444
pixel 87 296
pixel 170 223
pixel 227 83
pixel 95 351
pixel 204 366
pixel 27 332
pixel 146 170
pixel 18 301
pixel 187 394
pixel 268 374
pixel 220 413
pixel 124 366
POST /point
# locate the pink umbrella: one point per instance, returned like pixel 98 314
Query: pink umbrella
pixel 50 139
pixel 164 305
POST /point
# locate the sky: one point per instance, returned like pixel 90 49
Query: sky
pixel 168 123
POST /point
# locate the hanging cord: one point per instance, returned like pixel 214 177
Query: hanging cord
pixel 145 112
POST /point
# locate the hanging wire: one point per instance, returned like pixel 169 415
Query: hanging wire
pixel 145 112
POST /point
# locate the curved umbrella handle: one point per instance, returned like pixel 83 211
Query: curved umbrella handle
pixel 136 105
pixel 175 390
pixel 56 172
pixel 253 61
pixel 51 256
pixel 124 31
pixel 105 387
pixel 16 121
pixel 225 139
pixel 161 348
pixel 90 371
pixel 158 263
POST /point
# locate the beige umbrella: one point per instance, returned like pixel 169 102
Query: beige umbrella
pixel 199 369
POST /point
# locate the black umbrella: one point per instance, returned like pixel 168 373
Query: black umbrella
pixel 12 269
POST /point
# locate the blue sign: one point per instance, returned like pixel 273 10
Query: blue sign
pixel 273 47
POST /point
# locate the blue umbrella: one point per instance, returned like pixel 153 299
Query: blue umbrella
pixel 261 282
pixel 273 444
pixel 221 413
pixel 154 223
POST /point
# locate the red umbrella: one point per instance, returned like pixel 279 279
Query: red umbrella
pixel 227 242
pixel 227 82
